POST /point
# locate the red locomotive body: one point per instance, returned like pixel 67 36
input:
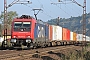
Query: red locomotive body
pixel 22 30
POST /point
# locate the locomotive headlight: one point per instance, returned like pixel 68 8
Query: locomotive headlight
pixel 28 40
pixel 13 40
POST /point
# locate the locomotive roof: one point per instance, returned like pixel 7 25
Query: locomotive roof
pixel 30 17
pixel 25 17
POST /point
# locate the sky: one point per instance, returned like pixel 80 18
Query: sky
pixel 49 10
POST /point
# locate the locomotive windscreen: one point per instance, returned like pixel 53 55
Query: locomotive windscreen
pixel 22 26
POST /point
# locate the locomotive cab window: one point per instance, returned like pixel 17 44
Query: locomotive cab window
pixel 17 24
pixel 22 26
pixel 26 24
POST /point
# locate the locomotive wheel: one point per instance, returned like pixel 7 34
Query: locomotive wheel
pixel 35 45
pixel 30 45
pixel 49 44
pixel 43 45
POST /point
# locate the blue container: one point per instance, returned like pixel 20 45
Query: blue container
pixel 41 31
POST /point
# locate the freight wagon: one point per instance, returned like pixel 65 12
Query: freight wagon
pixel 55 32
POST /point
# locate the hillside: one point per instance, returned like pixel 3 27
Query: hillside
pixel 73 23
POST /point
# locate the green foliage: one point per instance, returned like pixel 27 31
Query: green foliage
pixel 89 45
pixel 10 16
pixel 78 55
pixel 87 55
pixel 0 30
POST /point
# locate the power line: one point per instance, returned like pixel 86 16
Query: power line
pixel 47 15
pixel 62 2
pixel 75 10
pixel 68 9
pixel 72 9
pixel 61 8
pixel 44 11
pixel 47 8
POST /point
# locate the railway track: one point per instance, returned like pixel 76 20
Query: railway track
pixel 27 54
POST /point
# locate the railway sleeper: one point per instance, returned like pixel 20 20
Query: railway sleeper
pixel 43 45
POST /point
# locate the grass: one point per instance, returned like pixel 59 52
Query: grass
pixel 89 44
pixel 77 55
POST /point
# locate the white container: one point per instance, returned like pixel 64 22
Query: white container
pixel 71 36
pixel 56 32
pixel 87 38
pixel 79 37
pixel 59 33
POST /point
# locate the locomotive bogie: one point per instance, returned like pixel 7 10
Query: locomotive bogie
pixel 13 40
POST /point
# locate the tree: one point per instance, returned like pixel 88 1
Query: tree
pixel 10 16
pixel 0 30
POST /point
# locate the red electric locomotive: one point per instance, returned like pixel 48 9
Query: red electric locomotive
pixel 22 29
pixel 28 32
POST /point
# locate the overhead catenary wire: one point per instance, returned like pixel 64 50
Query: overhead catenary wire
pixel 42 12
pixel 73 1
pixel 50 15
pixel 51 11
pixel 14 2
pixel 46 8
pixel 75 10
pixel 66 7
pixel 60 8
